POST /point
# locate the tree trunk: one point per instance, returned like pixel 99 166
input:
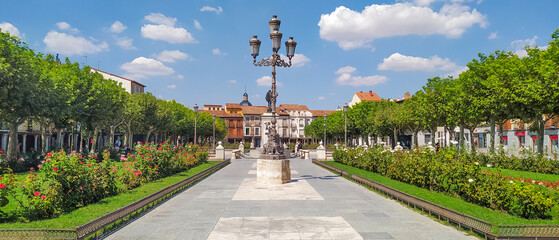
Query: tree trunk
pixel 540 131
pixel 414 139
pixel 44 136
pixel 12 141
pixel 82 137
pixel 395 137
pixel 492 135
pixel 112 136
pixel 148 135
pixel 461 138
pixel 59 140
pixel 433 131
pixel 472 146
pixel 94 143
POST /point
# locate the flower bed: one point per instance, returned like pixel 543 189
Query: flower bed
pixel 65 183
pixel 445 172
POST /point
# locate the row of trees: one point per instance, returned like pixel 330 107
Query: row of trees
pixel 496 87
pixel 37 87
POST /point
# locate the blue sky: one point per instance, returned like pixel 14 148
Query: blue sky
pixel 197 51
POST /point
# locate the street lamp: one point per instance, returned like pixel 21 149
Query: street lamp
pixel 195 120
pixel 324 130
pixel 345 129
pixel 213 144
pixel 272 148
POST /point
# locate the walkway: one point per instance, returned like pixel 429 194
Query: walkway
pixel 317 205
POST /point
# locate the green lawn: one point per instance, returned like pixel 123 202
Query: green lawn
pixel 524 174
pixel 451 202
pixel 85 214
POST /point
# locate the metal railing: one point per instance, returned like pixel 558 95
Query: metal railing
pixel 92 227
pixel 462 220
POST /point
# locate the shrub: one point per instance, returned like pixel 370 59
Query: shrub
pixel 456 174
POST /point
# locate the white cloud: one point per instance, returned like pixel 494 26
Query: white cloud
pixel 67 44
pixel 520 45
pixel 346 78
pixel 266 81
pixel 428 2
pixel 298 60
pixel 351 29
pixel 142 67
pixel 172 86
pixel 159 18
pixel 171 56
pixel 346 69
pixel 399 62
pixel 167 33
pixel 216 51
pixel 179 77
pixel 217 10
pixel 66 26
pixel 197 25
pixel 164 29
pixel 233 81
pixel 456 73
pixel 493 35
pixel 321 98
pixel 125 43
pixel 117 27
pixel 8 27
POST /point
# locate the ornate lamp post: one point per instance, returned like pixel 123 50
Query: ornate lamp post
pixel 345 128
pixel 213 143
pixel 272 149
pixel 195 120
pixel 273 167
pixel 324 130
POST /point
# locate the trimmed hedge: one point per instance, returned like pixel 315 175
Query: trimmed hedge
pixel 445 172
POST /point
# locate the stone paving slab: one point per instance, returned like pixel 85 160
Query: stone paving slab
pixel 318 205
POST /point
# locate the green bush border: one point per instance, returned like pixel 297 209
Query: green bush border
pixel 94 211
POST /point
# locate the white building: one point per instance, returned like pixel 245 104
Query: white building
pixel 129 85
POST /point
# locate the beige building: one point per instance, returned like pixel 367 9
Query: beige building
pixel 129 85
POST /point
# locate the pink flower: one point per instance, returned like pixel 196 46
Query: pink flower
pixel 55 169
pixel 37 193
pixel 156 166
pixel 22 186
pixel 115 171
pixel 43 197
pixel 2 186
pixel 89 164
pixel 81 163
pixel 81 188
pixel 48 155
pixel 119 178
pixel 95 156
pixel 39 166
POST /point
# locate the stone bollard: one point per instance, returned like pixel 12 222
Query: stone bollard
pixel 306 154
pixel 219 152
pixel 398 147
pixel 321 152
pixel 286 151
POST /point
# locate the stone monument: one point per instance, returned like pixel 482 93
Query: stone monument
pixel 272 166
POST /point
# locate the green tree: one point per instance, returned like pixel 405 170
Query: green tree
pixel 19 80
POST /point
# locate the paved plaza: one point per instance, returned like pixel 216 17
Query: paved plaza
pixel 230 205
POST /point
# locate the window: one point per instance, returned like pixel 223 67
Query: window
pixel 427 139
pixel 256 118
pixel 521 141
pixel 257 131
pixel 247 131
pixel 554 146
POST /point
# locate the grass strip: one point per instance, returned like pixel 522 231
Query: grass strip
pixel 451 202
pixel 524 174
pixel 90 212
